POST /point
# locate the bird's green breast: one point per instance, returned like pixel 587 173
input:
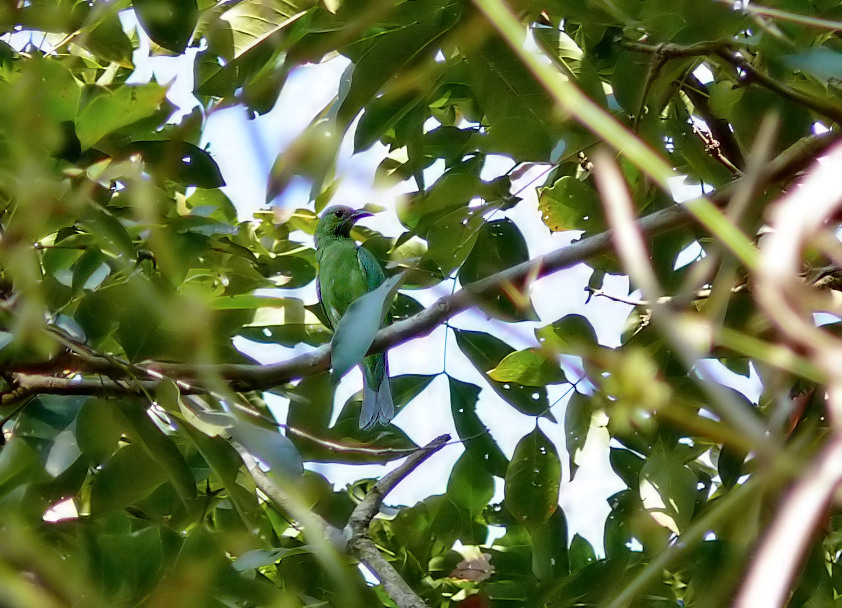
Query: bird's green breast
pixel 341 278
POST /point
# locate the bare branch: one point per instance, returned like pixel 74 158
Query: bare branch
pixel 360 544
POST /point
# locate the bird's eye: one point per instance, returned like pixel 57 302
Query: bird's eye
pixel 338 213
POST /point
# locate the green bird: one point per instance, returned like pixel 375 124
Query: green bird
pixel 346 272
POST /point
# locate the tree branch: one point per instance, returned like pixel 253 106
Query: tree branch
pixel 363 548
pixel 725 51
pixel 256 377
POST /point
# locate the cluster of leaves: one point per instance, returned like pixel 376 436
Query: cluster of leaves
pixel 120 253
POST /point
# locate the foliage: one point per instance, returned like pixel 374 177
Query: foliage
pixel 125 275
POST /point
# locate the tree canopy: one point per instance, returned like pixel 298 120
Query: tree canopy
pixel 141 465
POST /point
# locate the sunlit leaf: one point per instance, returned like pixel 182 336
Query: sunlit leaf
pixel 112 110
pixel 529 367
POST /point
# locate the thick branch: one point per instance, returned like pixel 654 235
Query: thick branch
pixel 781 551
pixel 254 377
pixel 363 548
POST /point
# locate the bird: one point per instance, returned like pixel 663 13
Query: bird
pixel 347 271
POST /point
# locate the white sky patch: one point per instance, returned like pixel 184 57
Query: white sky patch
pixel 60 511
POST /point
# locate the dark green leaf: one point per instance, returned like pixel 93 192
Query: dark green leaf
pixel 626 465
pixel 533 478
pixel 486 352
pixel 668 490
pixel 571 204
pixel 549 548
pixel 169 23
pixel 729 465
pixel 581 553
pixel 572 334
pixel 129 476
pixel 470 486
pixel 499 245
pixel 161 448
pixel 179 161
pixel 475 435
pixel 577 423
pixel 521 119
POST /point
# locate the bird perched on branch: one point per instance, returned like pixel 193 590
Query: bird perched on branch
pixel 347 272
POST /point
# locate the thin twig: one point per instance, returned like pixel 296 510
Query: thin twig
pixel 360 544
pixel 697 295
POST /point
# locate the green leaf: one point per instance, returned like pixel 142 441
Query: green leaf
pixel 129 476
pixel 668 490
pixel 581 553
pixel 169 23
pixel 311 405
pixel 470 485
pixel 226 463
pixel 550 559
pixel 63 453
pixel 268 446
pixel 451 236
pixel 114 110
pixel 58 97
pixel 359 324
pixel 626 465
pixel 530 367
pixel 380 115
pixel 521 120
pixel 571 204
pixel 476 437
pixel 98 428
pixel 572 334
pixel 729 465
pixel 533 478
pixel 261 557
pixel 179 161
pixel 499 245
pixel 486 352
pixel 19 464
pixel 446 200
pixel 248 23
pixel 89 271
pixel 161 448
pixel 398 48
pixel 577 424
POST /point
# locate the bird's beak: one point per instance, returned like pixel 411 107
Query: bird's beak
pixel 358 215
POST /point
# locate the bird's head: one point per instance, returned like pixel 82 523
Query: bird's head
pixel 338 221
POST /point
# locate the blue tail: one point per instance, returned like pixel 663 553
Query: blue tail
pixel 377 392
